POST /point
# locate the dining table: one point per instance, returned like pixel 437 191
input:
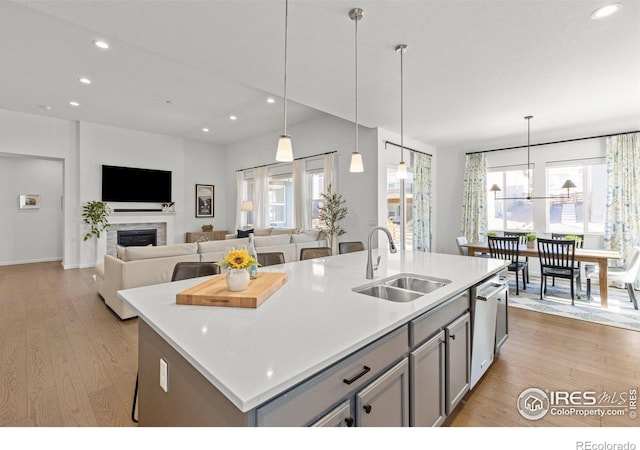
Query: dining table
pixel 601 257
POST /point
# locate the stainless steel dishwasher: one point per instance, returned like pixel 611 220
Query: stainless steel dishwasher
pixel 487 299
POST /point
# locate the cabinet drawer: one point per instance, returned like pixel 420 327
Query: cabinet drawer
pixel 303 404
pixel 425 326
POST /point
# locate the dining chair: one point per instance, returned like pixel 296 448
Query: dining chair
pixel 316 252
pixel 579 244
pixel 522 236
pixel 182 271
pixel 270 258
pixel 507 248
pixel 626 274
pixel 557 259
pixel 348 247
pixel 190 269
pixel 464 251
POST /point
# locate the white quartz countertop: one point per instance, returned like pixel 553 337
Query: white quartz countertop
pixel 313 321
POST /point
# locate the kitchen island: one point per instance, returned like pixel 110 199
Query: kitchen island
pixel 236 366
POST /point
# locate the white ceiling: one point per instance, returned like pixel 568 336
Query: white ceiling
pixel 473 69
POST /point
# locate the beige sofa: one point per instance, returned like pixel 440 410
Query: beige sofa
pixel 144 266
pixel 136 267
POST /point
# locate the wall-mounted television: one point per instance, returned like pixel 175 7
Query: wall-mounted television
pixel 130 184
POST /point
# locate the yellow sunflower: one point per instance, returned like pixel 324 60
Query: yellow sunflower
pixel 238 259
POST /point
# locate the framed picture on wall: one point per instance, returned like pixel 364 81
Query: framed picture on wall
pixel 204 200
pixel 29 201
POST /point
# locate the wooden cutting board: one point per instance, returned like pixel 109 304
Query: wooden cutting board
pixel 214 292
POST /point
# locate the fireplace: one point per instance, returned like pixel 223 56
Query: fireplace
pixel 137 238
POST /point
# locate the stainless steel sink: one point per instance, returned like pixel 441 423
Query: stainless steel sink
pixel 390 293
pixel 424 285
pixel 404 287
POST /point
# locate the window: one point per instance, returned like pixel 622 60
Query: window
pixel 510 215
pixel 394 220
pixel 280 202
pixel 316 180
pixel 584 210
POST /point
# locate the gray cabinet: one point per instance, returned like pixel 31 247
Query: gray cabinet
pixel 385 402
pixel 340 416
pixel 458 359
pixel 428 382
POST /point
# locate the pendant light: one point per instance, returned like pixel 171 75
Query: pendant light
pixel 401 171
pixel 356 158
pixel 284 152
pixel 568 184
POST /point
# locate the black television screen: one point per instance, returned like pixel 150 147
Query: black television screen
pixel 129 184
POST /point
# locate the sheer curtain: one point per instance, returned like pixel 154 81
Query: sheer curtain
pixel 261 202
pixel 329 163
pixel 301 209
pixel 622 227
pixel 474 198
pixel 422 202
pixel 239 197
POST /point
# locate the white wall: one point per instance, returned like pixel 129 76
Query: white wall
pixel 84 147
pixel 204 164
pixel 31 234
pixel 451 167
pixel 322 135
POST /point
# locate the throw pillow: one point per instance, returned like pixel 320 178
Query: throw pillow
pixel 244 233
pixel 120 252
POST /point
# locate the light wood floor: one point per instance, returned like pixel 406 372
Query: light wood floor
pixel 66 360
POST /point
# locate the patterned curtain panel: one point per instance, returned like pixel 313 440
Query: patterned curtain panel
pixel 474 199
pixel 622 228
pixel 422 202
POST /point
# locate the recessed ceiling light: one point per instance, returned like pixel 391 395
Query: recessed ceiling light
pixel 74 103
pixel 271 100
pixel 205 130
pixel 101 44
pixel 84 80
pixel 45 107
pixel 169 102
pixel 605 11
pixel 233 118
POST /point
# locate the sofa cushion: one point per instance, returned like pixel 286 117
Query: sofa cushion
pixel 282 231
pixel 220 246
pixel 160 251
pixel 120 252
pixel 262 231
pixel 244 233
pixel 278 239
pixel 307 236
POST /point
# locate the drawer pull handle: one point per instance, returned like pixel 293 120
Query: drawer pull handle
pixel 453 337
pixel 364 371
pixel 367 408
pixel 349 421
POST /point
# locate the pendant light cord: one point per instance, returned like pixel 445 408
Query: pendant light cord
pixel 528 154
pixel 401 105
pixel 356 75
pixel 286 27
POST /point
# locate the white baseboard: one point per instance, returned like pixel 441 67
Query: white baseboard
pixel 29 261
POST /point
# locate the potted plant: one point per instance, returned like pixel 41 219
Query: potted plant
pixel 573 237
pixel 331 212
pixel 492 233
pixel 96 215
pixel 207 227
pixel 531 238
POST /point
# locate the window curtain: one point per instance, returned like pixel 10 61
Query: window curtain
pixel 301 209
pixel 474 198
pixel 330 178
pixel 261 196
pixel 239 197
pixel 622 227
pixel 422 202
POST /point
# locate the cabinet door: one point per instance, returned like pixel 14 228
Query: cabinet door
pixel 340 416
pixel 385 402
pixel 458 360
pixel 427 367
pixel 502 321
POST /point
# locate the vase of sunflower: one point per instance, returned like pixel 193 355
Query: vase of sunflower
pixel 238 263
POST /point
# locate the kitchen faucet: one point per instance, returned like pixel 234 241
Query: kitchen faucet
pixel 392 249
